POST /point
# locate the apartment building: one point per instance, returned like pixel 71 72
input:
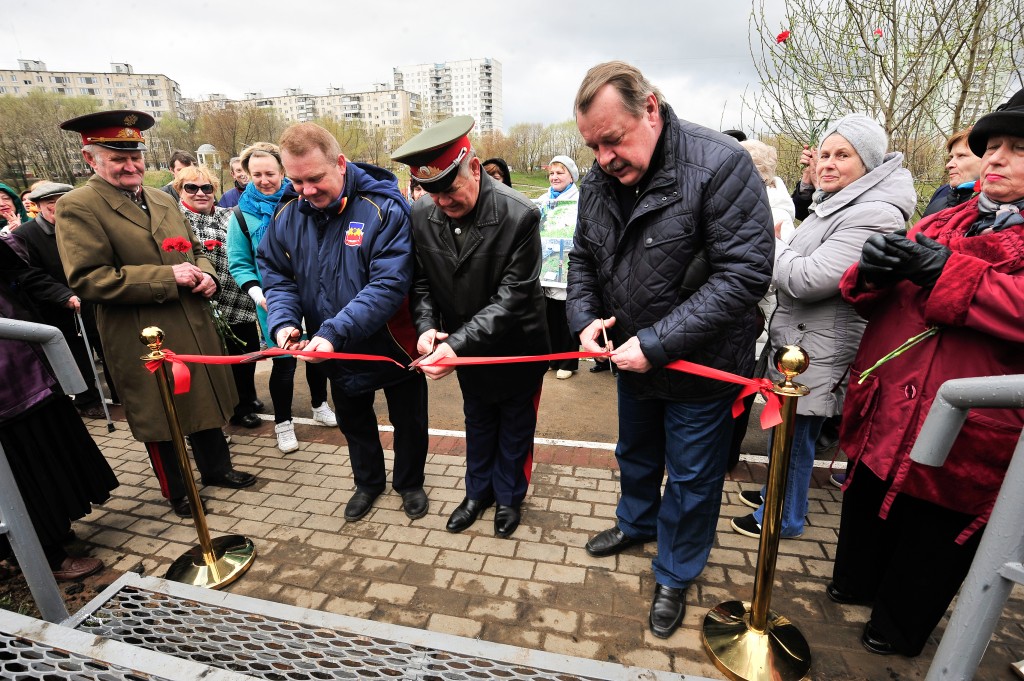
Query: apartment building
pixel 467 87
pixel 120 87
pixel 381 107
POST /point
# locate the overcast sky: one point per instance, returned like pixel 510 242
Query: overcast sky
pixel 697 53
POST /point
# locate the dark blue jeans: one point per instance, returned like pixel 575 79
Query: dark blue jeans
pixel 691 441
pixel 801 465
pixel 499 445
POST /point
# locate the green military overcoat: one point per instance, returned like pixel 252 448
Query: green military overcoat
pixel 112 255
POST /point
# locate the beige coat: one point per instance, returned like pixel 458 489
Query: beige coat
pixel 112 256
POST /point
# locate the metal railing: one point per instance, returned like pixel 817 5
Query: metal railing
pixel 998 562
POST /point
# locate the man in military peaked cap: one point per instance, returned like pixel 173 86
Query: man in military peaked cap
pixel 477 292
pixel 110 235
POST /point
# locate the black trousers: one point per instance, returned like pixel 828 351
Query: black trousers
pixel 559 334
pixel 407 411
pixel 244 374
pixel 210 450
pixel 499 445
pixel 909 563
pixel 282 386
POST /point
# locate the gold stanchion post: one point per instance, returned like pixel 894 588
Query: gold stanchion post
pixel 215 562
pixel 747 641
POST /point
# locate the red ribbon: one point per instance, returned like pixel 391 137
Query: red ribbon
pixel 182 377
pixel 771 415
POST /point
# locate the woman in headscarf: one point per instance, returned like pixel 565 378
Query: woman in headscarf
pixel 498 169
pixel 12 210
pixel 955 283
pixel 248 224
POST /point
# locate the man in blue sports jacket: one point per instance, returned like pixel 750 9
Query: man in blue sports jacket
pixel 338 254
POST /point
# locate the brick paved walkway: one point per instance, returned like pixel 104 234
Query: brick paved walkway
pixel 538 589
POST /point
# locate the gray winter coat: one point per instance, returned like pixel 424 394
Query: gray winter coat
pixel 810 312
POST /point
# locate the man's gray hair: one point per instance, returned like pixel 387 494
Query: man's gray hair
pixel 632 86
pixel 464 163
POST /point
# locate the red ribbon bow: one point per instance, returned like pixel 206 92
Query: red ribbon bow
pixel 771 415
pixel 180 372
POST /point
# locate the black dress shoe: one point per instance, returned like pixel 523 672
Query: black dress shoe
pixel 599 367
pixel 182 509
pixel 876 643
pixel 257 406
pixel 506 520
pixel 233 479
pixel 837 596
pixel 246 421
pixel 360 504
pixel 612 541
pixel 667 610
pixel 415 503
pixel 466 514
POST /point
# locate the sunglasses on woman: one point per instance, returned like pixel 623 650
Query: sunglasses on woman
pixel 195 188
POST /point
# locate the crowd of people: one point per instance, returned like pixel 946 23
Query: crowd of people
pixel 686 246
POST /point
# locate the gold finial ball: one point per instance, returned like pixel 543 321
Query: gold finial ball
pixel 791 360
pixel 152 336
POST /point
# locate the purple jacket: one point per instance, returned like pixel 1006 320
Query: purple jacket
pixel 25 378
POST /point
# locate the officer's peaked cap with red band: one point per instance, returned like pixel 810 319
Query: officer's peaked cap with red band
pixel 120 130
pixel 434 155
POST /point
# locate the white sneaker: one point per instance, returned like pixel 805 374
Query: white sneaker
pixel 286 441
pixel 324 415
pixel 563 374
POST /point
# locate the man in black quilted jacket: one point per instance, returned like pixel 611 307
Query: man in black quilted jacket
pixel 673 249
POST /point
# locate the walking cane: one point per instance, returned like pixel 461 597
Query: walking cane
pixel 95 375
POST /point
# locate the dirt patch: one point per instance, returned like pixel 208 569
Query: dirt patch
pixel 17 597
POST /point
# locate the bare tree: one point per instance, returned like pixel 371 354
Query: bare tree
pixel 33 145
pixel 565 138
pixel 527 144
pixel 922 69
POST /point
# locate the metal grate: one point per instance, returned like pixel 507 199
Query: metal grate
pixel 282 650
pixel 21 659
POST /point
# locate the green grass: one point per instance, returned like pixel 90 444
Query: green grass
pixel 532 184
pixel 157 178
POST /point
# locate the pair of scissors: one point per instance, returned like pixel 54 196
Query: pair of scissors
pixel 419 360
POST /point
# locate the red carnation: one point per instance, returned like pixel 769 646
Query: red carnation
pixel 782 37
pixel 176 243
pixel 211 244
pixel 878 33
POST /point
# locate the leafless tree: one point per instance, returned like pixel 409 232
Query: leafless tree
pixel 922 69
pixel 32 145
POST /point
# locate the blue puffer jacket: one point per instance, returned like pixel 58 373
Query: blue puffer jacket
pixel 707 195
pixel 347 270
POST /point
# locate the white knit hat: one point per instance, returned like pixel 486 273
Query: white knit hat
pixel 867 137
pixel 569 164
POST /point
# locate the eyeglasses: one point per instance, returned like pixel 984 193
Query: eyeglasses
pixel 196 188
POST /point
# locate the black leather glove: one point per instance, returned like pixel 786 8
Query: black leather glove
pixel 927 259
pixel 880 264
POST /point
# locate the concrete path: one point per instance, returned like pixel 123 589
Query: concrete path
pixel 538 589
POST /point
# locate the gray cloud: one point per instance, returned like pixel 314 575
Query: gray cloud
pixel 696 53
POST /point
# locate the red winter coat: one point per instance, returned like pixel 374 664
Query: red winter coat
pixel 978 306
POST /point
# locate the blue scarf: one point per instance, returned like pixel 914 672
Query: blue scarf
pixel 552 194
pixel 262 205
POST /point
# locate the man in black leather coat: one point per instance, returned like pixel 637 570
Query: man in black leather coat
pixel 477 292
pixel 661 193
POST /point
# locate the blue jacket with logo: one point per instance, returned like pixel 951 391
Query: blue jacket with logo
pixel 347 270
